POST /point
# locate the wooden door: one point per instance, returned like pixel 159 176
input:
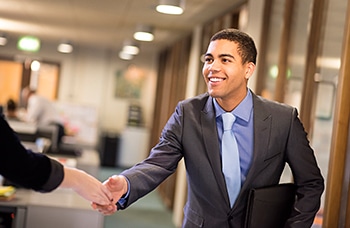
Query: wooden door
pixel 10 80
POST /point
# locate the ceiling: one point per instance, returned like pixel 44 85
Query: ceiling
pixel 104 23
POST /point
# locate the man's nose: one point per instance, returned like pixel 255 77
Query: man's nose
pixel 214 66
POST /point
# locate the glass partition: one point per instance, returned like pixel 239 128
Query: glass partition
pixel 328 64
pixel 297 52
pixel 273 45
pixel 325 78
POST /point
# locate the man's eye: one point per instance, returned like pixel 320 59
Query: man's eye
pixel 208 60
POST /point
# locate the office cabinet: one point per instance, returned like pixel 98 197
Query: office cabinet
pixel 109 144
pixel 12 217
pixel 134 146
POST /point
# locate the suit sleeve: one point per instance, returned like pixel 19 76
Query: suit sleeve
pixel 306 173
pixel 160 164
pixel 24 167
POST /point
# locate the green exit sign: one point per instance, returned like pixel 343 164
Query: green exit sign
pixel 28 43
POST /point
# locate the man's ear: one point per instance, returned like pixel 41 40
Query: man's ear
pixel 249 70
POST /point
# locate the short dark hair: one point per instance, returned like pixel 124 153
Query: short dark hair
pixel 246 45
pixel 11 105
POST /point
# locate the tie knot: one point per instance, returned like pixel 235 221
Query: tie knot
pixel 228 119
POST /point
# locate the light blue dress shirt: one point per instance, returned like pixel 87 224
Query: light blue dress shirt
pixel 243 130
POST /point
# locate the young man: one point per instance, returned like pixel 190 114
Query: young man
pixel 268 135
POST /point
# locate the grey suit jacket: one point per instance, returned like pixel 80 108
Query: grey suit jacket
pixel 191 133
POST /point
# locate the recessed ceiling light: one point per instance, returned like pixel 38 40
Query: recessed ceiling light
pixel 144 33
pixel 174 7
pixel 3 40
pixel 65 47
pixel 131 48
pixel 35 65
pixel 125 56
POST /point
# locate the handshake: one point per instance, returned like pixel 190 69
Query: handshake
pixel 103 196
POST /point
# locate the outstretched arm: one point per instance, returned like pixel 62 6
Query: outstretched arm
pixel 40 173
pixel 86 186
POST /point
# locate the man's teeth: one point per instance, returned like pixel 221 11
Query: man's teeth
pixel 216 79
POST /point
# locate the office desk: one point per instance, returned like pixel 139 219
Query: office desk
pixel 62 208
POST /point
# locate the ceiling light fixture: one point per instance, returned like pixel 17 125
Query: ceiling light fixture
pixel 131 48
pixel 144 33
pixel 125 56
pixel 174 7
pixel 3 40
pixel 65 47
pixel 35 65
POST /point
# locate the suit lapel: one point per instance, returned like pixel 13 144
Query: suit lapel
pixel 262 128
pixel 212 145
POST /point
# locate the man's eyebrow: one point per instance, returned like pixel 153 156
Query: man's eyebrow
pixel 226 55
pixel 220 56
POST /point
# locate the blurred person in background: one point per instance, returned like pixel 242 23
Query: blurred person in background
pixel 42 111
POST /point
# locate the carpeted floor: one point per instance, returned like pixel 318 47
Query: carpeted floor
pixel 148 212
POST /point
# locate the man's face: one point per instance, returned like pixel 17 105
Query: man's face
pixel 225 75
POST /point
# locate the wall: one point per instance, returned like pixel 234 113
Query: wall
pixel 251 18
pixel 88 77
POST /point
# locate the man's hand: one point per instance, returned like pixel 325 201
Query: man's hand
pixel 118 186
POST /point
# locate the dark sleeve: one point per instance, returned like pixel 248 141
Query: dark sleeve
pixel 25 168
pixel 307 176
pixel 145 176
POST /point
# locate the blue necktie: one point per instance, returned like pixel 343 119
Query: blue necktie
pixel 230 158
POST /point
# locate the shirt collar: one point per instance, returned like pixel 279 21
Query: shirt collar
pixel 242 111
